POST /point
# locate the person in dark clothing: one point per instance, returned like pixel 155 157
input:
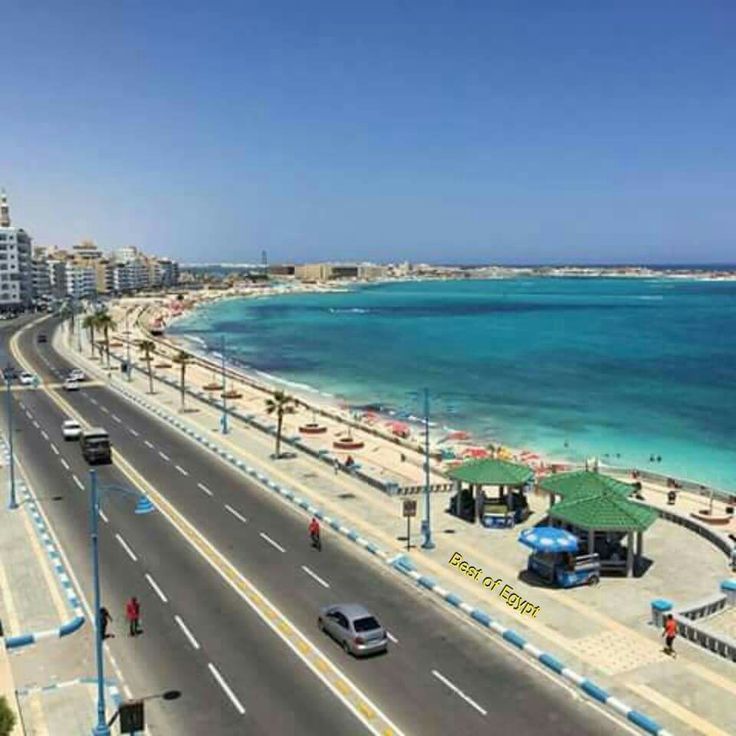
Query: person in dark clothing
pixel 133 614
pixel 105 619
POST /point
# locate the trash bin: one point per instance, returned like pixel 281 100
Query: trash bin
pixel 671 498
pixel 660 606
pixel 729 588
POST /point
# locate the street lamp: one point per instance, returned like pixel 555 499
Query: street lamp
pixel 12 503
pixel 426 522
pixel 143 506
pixel 128 364
pixel 223 421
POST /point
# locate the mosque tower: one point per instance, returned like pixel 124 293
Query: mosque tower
pixel 4 210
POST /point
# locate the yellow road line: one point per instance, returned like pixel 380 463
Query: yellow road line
pixel 678 711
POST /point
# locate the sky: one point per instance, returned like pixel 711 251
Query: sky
pixel 465 132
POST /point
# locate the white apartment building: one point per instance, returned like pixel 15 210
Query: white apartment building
pixel 15 262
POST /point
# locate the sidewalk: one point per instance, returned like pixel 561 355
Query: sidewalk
pixel 51 674
pixel 602 633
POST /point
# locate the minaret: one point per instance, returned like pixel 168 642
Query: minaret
pixel 4 210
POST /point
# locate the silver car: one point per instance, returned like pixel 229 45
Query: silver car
pixel 354 627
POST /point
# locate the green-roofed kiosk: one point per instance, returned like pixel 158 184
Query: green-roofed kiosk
pixel 501 511
pixel 595 504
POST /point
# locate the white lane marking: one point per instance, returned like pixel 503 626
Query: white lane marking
pixel 104 517
pixel 65 463
pixel 204 488
pixel 316 577
pixel 29 415
pixel 116 418
pixel 156 587
pixel 186 631
pixel 36 424
pixel 93 400
pixel 148 443
pixel 459 692
pixel 272 542
pixel 181 470
pixel 392 637
pixel 125 546
pixel 105 409
pixel 133 432
pixel 44 435
pixel 55 448
pixel 236 514
pixel 238 705
pixel 79 483
pixel 164 456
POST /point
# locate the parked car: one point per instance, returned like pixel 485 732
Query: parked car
pixel 71 429
pixel 42 337
pixel 355 628
pixel 27 378
pixel 71 385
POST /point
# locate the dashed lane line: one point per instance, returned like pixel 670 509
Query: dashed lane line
pixel 148 443
pixel 105 409
pixel 164 456
pixel 156 587
pixel 79 483
pixel 54 448
pixel 272 542
pixel 226 688
pixel 186 631
pixel 133 431
pixel 65 464
pixel 36 424
pixel 181 470
pixel 236 514
pixel 316 577
pixel 459 692
pixel 203 487
pixel 104 517
pixel 44 434
pixel 126 547
pixel 392 638
pixel 116 418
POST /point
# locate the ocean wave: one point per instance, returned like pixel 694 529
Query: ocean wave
pixel 650 298
pixel 352 310
pixel 292 384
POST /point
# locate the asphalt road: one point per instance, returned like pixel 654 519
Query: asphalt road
pixel 433 647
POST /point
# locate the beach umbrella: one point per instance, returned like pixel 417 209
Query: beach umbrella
pixel 459 435
pixel 476 452
pixel 549 539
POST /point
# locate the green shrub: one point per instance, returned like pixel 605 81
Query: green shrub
pixel 7 717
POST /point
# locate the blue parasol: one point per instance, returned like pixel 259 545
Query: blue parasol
pixel 549 539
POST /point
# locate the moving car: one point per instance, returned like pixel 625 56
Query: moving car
pixel 76 374
pixel 96 446
pixel 353 627
pixel 71 384
pixel 27 378
pixel 41 337
pixel 71 429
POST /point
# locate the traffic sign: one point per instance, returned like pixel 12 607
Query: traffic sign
pixel 408 507
pixel 132 719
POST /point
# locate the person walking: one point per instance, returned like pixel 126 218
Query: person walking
pixel 133 614
pixel 314 533
pixel 105 619
pixel 336 465
pixel 669 633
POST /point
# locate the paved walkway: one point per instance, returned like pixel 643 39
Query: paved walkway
pixel 602 632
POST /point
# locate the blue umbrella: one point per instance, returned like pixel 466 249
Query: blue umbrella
pixel 549 539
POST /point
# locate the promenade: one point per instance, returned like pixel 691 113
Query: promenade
pixel 602 632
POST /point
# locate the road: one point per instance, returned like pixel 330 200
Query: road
pixel 441 675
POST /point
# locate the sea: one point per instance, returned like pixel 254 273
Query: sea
pixel 635 371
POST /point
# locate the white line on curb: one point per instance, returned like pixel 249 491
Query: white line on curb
pixel 236 514
pixel 156 587
pixel 125 546
pixel 316 577
pixel 186 631
pixel 272 542
pixel 204 488
pixel 238 705
pixel 459 692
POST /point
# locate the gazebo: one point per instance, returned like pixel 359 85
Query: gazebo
pixel 594 503
pixel 471 501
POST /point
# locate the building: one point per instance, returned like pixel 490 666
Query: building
pixel 281 269
pixel 15 263
pixel 330 271
pixel 40 278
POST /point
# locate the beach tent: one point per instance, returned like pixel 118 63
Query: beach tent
pixel 583 483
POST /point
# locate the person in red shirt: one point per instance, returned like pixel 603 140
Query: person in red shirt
pixel 133 614
pixel 314 532
pixel 669 633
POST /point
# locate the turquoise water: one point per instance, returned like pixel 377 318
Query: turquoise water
pixel 623 369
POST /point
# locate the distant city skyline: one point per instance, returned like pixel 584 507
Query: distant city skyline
pixel 464 134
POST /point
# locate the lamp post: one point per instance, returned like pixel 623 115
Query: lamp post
pixel 426 523
pixel 12 503
pixel 223 421
pixel 143 506
pixel 128 364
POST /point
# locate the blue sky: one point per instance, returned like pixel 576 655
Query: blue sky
pixel 443 131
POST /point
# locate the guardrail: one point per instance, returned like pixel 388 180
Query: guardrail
pixel 715 538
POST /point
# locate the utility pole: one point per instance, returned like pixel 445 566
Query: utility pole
pixel 12 504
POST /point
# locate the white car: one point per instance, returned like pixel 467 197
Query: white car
pixel 71 385
pixel 26 378
pixel 76 374
pixel 71 429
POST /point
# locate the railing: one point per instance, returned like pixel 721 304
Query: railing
pixel 705 607
pixel 718 643
pixel 433 488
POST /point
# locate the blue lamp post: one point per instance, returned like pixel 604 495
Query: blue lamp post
pixel 12 503
pixel 143 506
pixel 426 523
pixel 223 421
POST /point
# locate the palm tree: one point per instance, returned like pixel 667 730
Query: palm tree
pixel 147 347
pixel 90 323
pixel 106 323
pixel 183 359
pixel 280 403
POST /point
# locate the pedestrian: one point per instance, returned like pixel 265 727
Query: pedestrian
pixel 669 633
pixel 133 614
pixel 733 559
pixel 336 465
pixel 105 619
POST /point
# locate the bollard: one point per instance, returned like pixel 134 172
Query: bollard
pixel 729 588
pixel 660 606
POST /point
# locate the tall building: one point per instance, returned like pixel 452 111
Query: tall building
pixel 15 262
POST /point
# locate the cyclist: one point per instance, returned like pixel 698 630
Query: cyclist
pixel 314 532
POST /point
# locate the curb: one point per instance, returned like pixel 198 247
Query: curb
pixel 403 565
pixel 74 624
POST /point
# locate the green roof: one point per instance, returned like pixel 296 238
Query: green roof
pixel 491 472
pixel 607 511
pixel 584 483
